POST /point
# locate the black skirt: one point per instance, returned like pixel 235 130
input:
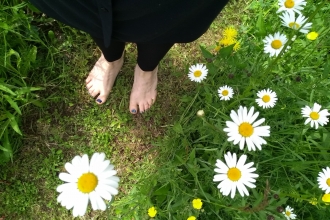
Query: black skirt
pixel 140 21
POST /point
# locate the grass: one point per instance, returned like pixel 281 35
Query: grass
pixel 70 123
pixel 166 157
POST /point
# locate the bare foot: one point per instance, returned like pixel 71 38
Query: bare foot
pixel 102 77
pixel 144 91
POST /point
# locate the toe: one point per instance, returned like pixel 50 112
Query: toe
pixel 89 84
pixel 101 99
pixel 88 79
pixel 142 108
pixel 93 92
pixel 146 107
pixel 133 107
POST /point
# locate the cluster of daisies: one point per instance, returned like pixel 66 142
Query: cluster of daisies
pixel 196 204
pixel 246 130
pixel 229 38
pixel 291 17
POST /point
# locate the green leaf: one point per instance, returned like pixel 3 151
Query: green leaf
pixel 226 51
pixel 13 122
pixel 163 190
pixel 326 69
pixel 206 53
pixel 4 149
pixel 8 152
pixel 27 90
pixel 13 104
pixel 16 54
pixel 192 157
pixel 32 55
pixel 261 24
pixel 178 128
pixel 4 25
pixel 6 89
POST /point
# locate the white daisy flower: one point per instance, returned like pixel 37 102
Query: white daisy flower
pixel 315 116
pixel 267 98
pixel 197 72
pixel 324 180
pixel 234 174
pixel 289 20
pixel 86 181
pixel 243 129
pixel 291 5
pixel 225 92
pixel 288 213
pixel 274 43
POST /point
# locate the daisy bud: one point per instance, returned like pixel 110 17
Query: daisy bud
pixel 230 76
pixel 280 209
pixel 270 217
pixel 200 113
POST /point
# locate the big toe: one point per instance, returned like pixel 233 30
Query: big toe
pixel 133 106
pixel 100 99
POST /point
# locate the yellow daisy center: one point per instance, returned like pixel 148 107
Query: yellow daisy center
pixel 197 73
pixel 294 25
pixel 245 129
pixel 225 92
pixel 234 174
pixel 266 98
pixel 289 3
pixel 314 115
pixel 288 213
pixel 328 181
pixel 87 182
pixel 276 44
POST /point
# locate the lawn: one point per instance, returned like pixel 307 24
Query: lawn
pixel 166 156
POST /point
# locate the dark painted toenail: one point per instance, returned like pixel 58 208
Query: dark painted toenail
pixel 99 100
pixel 133 111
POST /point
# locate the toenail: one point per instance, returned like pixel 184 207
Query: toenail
pixel 133 111
pixel 99 100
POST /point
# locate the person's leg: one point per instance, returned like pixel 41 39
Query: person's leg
pixel 144 91
pixel 103 75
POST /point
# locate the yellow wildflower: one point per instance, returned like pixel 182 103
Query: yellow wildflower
pixel 191 218
pixel 312 35
pixel 237 46
pixel 197 203
pixel 227 41
pixel 230 32
pixel 326 198
pixel 152 212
